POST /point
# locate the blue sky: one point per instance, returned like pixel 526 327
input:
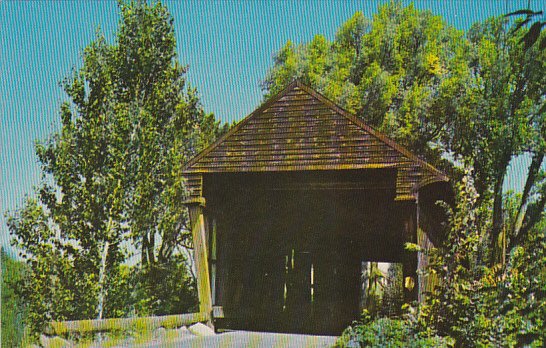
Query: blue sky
pixel 228 46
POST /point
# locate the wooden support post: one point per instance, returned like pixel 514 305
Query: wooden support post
pixel 213 260
pixel 409 267
pixel 197 221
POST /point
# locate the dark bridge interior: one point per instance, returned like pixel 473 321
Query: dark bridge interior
pixel 289 247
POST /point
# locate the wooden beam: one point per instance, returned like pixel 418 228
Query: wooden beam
pixel 200 252
pixel 103 325
pixel 213 260
pixel 409 267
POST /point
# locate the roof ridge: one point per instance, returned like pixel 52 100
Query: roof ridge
pixel 379 135
pixel 265 105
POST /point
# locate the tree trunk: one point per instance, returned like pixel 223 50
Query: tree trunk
pixel 534 217
pixel 151 246
pixel 102 276
pixel 498 217
pixel 534 168
pixel 144 253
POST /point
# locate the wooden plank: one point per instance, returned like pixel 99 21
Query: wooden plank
pixel 197 221
pixel 281 167
pixel 308 137
pixel 318 142
pixel 348 153
pixel 294 105
pixel 300 144
pixel 304 123
pixel 270 159
pixel 318 112
pixel 409 265
pixel 286 155
pixel 86 326
pixel 300 147
pixel 279 110
pixel 213 258
pixel 297 121
pixel 295 102
pixel 294 99
pixel 337 157
pixel 194 184
pixel 347 134
pixel 310 128
pixel 303 149
pixel 305 142
pixel 296 91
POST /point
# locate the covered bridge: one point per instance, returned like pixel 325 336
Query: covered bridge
pixel 287 205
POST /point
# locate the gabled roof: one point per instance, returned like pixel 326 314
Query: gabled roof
pixel 300 129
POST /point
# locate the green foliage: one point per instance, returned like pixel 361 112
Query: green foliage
pixel 455 307
pixel 502 106
pixel 482 306
pixel 389 333
pixel 393 294
pixel 12 311
pixel 399 72
pixel 513 303
pixel 112 176
pixel 166 288
pixel 533 34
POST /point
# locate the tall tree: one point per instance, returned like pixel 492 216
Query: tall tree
pixel 112 173
pixel 498 118
pixel 400 72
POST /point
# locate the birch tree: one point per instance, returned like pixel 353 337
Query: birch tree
pixel 112 174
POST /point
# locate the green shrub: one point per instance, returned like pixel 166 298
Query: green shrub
pixel 12 309
pixel 386 332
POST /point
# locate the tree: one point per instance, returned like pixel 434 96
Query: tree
pixel 400 72
pixel 498 118
pixel 112 173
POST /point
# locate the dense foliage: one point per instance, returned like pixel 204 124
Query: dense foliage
pixel 480 305
pixel 112 180
pixel 400 72
pixel 12 313
pixel 385 332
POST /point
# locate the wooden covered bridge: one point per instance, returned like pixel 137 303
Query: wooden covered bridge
pixel 287 205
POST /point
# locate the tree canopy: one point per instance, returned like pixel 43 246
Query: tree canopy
pixel 399 72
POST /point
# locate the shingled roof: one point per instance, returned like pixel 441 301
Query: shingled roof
pixel 300 129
